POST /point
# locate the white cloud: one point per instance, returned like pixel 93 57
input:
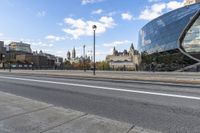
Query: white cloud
pixel 79 27
pixel 102 52
pixel 154 0
pixel 152 12
pixel 41 44
pixel 36 43
pixel 158 9
pixel 54 38
pixel 112 13
pixel 174 5
pixel 41 14
pixel 99 11
pixel 85 2
pixel 117 43
pixel 126 16
pixel 7 41
pixel 1 34
pixel 60 24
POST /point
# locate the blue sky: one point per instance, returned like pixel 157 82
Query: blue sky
pixel 56 26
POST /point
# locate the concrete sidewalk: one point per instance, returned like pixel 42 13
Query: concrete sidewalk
pixel 22 115
pixel 169 77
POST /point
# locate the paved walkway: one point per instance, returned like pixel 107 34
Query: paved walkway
pixel 171 77
pixel 22 115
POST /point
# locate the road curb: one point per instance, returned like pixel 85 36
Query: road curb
pixel 172 82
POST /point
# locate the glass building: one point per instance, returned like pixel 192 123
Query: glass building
pixel 20 47
pixel 171 41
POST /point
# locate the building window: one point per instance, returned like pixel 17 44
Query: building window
pixel 191 42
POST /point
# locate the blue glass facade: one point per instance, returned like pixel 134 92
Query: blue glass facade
pixel 165 32
pixel 162 34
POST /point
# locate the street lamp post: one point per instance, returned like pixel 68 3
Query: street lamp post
pixel 94 65
pixel 84 58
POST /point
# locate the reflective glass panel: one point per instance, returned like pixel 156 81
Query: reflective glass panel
pixel 163 33
pixel 191 42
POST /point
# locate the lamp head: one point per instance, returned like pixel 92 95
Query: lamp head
pixel 94 27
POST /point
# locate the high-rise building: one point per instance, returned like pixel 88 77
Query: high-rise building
pixel 68 55
pixel 189 2
pixel 74 53
pixel 2 51
pixel 1 46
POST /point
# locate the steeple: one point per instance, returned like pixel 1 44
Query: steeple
pixel 115 52
pixel 132 47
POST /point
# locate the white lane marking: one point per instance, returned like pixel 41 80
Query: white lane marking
pixel 105 88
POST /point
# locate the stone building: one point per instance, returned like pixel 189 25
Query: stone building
pixel 2 53
pixel 15 49
pixel 190 2
pixel 126 60
pixel 44 60
pixel 20 55
pixel 40 60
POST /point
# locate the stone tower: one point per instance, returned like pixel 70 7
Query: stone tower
pixel 132 49
pixel 115 52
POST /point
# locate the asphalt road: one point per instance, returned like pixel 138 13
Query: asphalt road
pixel 161 107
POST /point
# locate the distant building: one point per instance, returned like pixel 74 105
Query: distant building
pixel 24 58
pixel 20 55
pixel 72 58
pixel 190 2
pixel 73 53
pixel 59 62
pixel 2 49
pixel 2 53
pixel 20 46
pixel 44 60
pixel 1 46
pixel 68 55
pixel 17 48
pixel 124 60
pixel 39 60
